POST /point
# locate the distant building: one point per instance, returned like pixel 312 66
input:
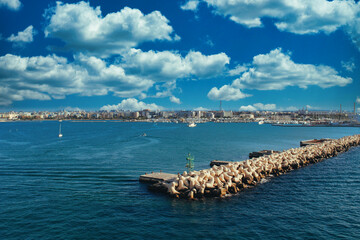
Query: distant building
pixel 246 116
pixel 166 114
pixel 226 114
pixel 210 115
pixel 186 114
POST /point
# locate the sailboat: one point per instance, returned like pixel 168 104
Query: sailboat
pixel 60 134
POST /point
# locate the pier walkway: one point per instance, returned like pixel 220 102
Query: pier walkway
pixel 157 177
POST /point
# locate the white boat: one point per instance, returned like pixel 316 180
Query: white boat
pixel 60 134
pixel 192 124
pixel 261 122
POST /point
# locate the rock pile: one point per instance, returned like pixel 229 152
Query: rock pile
pixel 232 178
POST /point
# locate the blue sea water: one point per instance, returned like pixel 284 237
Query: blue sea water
pixel 85 185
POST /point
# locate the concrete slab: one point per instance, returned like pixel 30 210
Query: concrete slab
pixel 157 177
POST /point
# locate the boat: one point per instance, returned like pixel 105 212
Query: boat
pixel 144 134
pixel 192 124
pixel 261 122
pixel 313 141
pixel 60 134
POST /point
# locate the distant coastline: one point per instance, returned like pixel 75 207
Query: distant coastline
pixel 275 124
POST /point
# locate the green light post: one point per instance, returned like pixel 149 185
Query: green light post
pixel 189 162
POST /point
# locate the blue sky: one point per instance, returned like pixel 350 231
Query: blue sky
pixel 174 55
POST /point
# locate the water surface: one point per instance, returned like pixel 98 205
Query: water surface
pixel 85 185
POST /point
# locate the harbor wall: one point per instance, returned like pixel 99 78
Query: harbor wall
pixel 219 181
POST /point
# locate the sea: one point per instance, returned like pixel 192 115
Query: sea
pixel 85 184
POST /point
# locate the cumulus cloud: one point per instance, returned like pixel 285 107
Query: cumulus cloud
pixel 297 16
pixel 248 108
pixel 131 104
pixel 358 100
pixel 191 5
pixel 52 76
pixel 201 109
pixel 353 28
pixel 206 66
pixel 83 28
pixel 175 100
pixel 226 93
pixel 132 76
pixel 266 107
pixel 25 36
pixel 237 70
pixel 348 66
pixel 300 17
pixel 8 95
pixel 276 71
pixel 166 65
pixel 11 4
pixel 258 107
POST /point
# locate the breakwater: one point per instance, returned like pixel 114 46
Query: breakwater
pixel 219 181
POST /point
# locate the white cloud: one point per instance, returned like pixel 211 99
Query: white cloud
pixel 266 107
pixel 166 65
pixel 297 16
pixel 131 104
pixel 25 36
pixel 348 66
pixel 201 109
pixel 8 95
pixel 175 100
pixel 161 66
pixel 248 108
pixel 237 70
pixel 353 28
pixel 191 5
pixel 52 76
pixel 226 93
pixel 11 4
pixel 89 75
pixel 259 107
pixel 83 28
pixel 206 66
pixel 358 100
pixel 276 71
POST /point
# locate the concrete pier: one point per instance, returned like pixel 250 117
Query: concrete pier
pixel 219 181
pixel 157 177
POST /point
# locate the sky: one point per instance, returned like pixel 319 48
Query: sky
pixel 179 55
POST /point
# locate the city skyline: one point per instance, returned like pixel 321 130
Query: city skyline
pixel 177 55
